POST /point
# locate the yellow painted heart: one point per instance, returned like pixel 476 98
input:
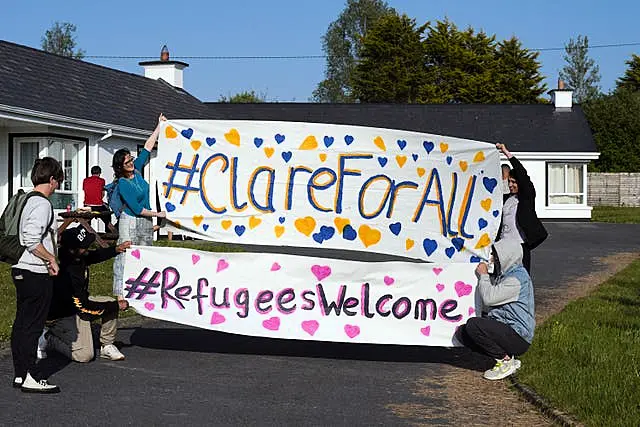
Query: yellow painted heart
pixel 305 225
pixel 401 160
pixel 483 241
pixel 268 151
pixel 463 165
pixel 409 244
pixel 444 147
pixel 369 236
pixel 309 143
pixel 341 223
pixel 254 222
pixel 322 156
pixel 380 143
pixel 478 157
pixel 177 223
pixel 170 132
pixel 279 230
pixel 226 223
pixel 486 204
pixel 421 172
pixel 195 144
pixel 233 137
pixel 197 220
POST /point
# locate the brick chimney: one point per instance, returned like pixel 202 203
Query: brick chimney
pixel 562 97
pixel 165 69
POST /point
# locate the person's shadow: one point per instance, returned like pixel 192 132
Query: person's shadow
pixel 205 341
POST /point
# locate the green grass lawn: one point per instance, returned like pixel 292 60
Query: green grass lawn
pixel 101 281
pixel 615 214
pixel 586 359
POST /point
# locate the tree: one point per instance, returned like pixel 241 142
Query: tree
pixel 342 45
pixel 518 75
pixel 581 72
pixel 391 68
pixel 615 122
pixel 631 78
pixel 60 39
pixel 245 97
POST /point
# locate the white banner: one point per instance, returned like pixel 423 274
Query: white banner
pixel 344 187
pixel 295 297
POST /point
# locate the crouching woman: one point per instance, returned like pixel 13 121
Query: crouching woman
pixel 507 296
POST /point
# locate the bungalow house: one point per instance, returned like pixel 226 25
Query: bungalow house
pixel 81 113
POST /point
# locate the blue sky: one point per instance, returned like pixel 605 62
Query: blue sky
pixel 290 27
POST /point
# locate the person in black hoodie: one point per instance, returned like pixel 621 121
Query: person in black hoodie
pixel 519 219
pixel 72 309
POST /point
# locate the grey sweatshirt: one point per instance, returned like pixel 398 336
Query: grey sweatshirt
pixel 35 219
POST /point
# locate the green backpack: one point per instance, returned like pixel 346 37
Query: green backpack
pixel 10 248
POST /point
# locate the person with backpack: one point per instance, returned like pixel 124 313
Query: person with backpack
pixel 33 274
pixel 129 199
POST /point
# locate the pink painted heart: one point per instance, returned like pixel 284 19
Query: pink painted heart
pixel 437 270
pixel 426 331
pixel 389 280
pixel 149 306
pixel 273 323
pixel 471 311
pixel 310 326
pixel 275 267
pixel 195 258
pixel 440 287
pixel 462 288
pixel 217 318
pixel 352 331
pixel 321 271
pixel 222 264
pixel 135 253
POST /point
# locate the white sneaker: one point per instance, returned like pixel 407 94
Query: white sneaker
pixel 517 363
pixel 29 385
pixel 42 345
pixel 502 369
pixel 111 352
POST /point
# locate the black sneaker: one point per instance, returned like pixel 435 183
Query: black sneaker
pixel 32 386
pixel 17 382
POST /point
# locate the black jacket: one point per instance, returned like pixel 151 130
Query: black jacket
pixel 71 286
pixel 526 217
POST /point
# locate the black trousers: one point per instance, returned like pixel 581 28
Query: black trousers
pixel 526 258
pixel 491 337
pixel 33 297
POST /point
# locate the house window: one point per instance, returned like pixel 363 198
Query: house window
pixel 566 183
pixel 66 152
pixel 28 153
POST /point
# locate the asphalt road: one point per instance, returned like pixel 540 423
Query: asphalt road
pixel 176 375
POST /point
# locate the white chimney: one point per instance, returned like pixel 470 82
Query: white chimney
pixel 562 98
pixel 169 71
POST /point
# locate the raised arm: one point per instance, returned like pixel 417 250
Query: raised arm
pixel 151 141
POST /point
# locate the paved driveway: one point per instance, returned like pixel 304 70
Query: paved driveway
pixel 176 375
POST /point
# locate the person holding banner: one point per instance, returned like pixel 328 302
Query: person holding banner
pixel 135 222
pixel 506 291
pixel 519 219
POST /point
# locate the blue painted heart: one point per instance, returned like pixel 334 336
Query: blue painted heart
pixel 489 184
pixel 318 237
pixel 348 233
pixel 210 141
pixel 402 143
pixel 327 232
pixel 482 223
pixel 449 160
pixel 395 228
pixel 428 146
pixel 187 133
pixel 170 207
pixel 286 155
pixel 496 213
pixel 279 138
pixel 429 246
pixel 382 161
pixel 475 259
pixel 458 243
pixel 205 227
pixel 239 229
pixel 258 142
pixel 348 139
pixel 415 157
pixel 281 220
pixel 450 251
pixel 328 141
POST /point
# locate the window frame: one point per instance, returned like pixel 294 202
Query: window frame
pixel 551 194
